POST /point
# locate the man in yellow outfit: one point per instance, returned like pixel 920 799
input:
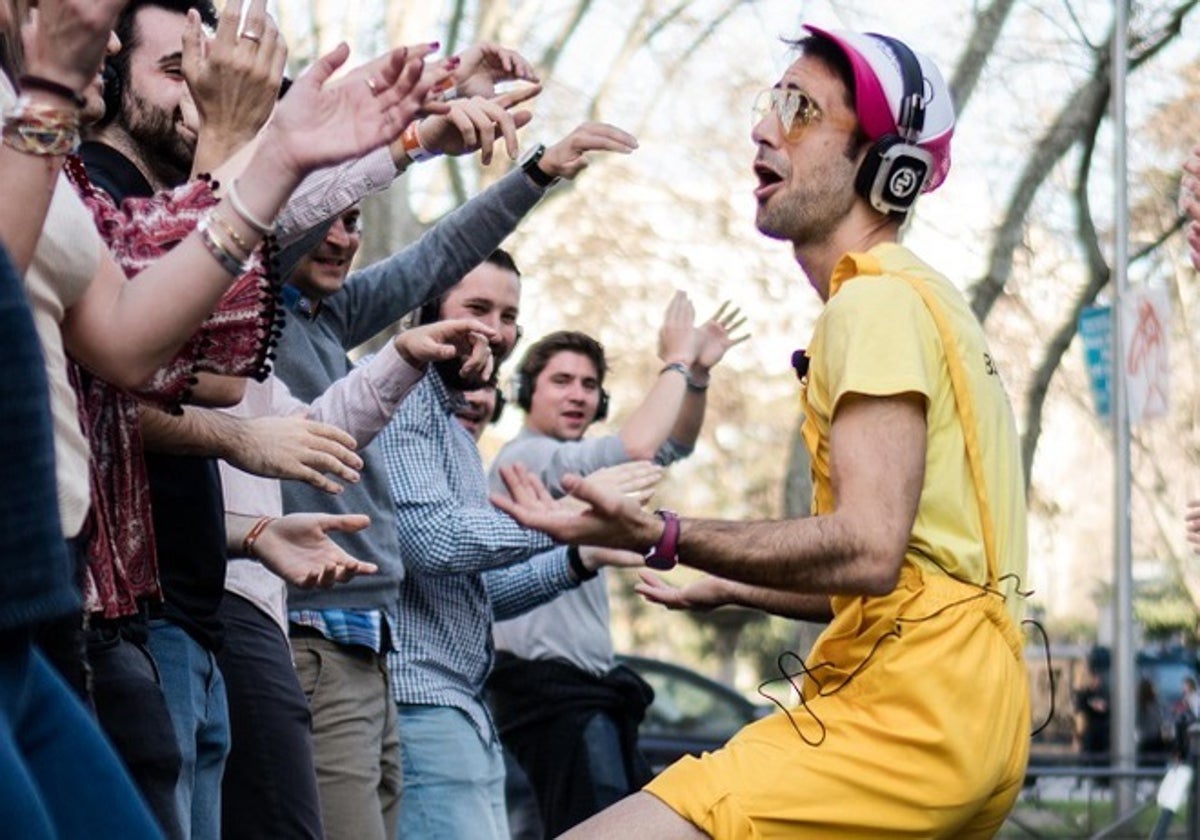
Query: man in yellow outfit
pixel 914 720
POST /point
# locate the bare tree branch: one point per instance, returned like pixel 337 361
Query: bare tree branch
pixel 988 25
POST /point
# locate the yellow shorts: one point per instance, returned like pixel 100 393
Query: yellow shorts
pixel 929 736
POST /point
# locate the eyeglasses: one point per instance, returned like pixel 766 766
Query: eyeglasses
pixel 795 108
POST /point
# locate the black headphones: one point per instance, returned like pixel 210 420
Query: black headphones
pixel 524 385
pixel 112 92
pixel 501 401
pixel 895 168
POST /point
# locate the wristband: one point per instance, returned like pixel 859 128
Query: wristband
pixel 254 533
pixel 41 130
pixel 694 384
pixel 411 138
pixel 678 367
pixel 664 554
pixel 575 562
pixel 28 82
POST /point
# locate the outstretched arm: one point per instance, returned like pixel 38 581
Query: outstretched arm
pixel 66 48
pixel 297 546
pixel 877 463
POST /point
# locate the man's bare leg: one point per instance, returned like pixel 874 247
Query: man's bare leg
pixel 638 815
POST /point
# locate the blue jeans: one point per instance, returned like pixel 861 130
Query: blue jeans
pixel 195 693
pixel 453 779
pixel 59 778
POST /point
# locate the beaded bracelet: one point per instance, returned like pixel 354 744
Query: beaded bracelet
pixel 28 82
pixel 41 130
pixel 411 138
pixel 220 251
pixel 252 221
pixel 254 533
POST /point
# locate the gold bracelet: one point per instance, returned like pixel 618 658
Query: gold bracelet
pixel 241 243
pixel 219 250
pixel 254 533
pixel 42 130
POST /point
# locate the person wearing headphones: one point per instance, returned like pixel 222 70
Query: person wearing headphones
pixel 565 710
pixel 913 718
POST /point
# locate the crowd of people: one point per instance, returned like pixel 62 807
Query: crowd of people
pixel 253 588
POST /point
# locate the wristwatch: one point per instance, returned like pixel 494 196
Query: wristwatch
pixel 529 165
pixel 664 554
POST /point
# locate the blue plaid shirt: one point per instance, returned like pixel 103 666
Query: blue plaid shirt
pixel 349 627
pixel 450 535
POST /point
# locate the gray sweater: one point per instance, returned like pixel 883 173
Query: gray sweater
pixel 312 355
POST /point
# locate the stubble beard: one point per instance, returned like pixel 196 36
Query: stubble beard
pixel 809 213
pixel 165 152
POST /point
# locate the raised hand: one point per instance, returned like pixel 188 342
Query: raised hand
pixel 442 340
pixel 480 67
pixel 677 336
pixel 297 547
pixel 475 124
pixel 637 479
pixel 321 124
pixel 568 157
pixel 716 335
pixel 609 519
pixel 233 78
pixel 69 39
pixel 295 447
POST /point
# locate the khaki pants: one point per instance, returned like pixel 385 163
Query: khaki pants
pixel 916 725
pixel 356 745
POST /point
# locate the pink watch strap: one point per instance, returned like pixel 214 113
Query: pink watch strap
pixel 664 555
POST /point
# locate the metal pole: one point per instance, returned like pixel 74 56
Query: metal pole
pixel 1121 692
pixel 1193 823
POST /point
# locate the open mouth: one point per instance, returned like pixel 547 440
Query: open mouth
pixel 768 179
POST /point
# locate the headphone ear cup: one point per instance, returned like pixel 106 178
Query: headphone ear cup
pixel 892 174
pixel 429 312
pixel 524 390
pixel 601 407
pixel 501 401
pixel 112 93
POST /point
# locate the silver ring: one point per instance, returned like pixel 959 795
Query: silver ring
pixel 373 85
pixel 252 36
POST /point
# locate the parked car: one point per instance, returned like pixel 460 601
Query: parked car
pixel 690 714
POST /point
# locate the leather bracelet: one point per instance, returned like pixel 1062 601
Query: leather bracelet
pixel 254 533
pixel 575 562
pixel 29 82
pixel 678 367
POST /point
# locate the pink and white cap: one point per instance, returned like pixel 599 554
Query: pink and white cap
pixel 879 92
